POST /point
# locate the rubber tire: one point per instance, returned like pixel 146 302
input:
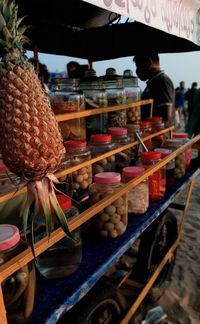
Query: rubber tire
pixel 98 297
pixel 150 255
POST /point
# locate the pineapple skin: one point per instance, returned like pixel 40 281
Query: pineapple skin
pixel 30 140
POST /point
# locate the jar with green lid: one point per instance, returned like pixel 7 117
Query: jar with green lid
pixel 95 97
pixel 115 96
pixel 180 165
pixel 133 94
pixel 119 138
pixel 185 139
pixel 112 221
pixel 66 97
pixel 100 144
pixel 79 152
pixel 64 257
pixel 138 196
pixel 157 180
pixel 20 287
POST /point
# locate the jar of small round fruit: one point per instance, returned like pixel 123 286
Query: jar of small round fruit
pixel 112 220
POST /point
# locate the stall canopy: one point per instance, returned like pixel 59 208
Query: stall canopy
pixel 82 29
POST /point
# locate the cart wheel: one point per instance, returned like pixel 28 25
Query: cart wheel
pixel 102 305
pixel 155 242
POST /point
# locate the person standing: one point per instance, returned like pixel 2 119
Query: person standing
pixel 193 126
pixel 159 87
pixel 189 97
pixel 180 103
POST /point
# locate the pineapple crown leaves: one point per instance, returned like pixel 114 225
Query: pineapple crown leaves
pixel 11 35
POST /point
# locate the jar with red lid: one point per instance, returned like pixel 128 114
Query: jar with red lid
pixel 184 137
pixel 112 220
pixel 170 167
pixel 157 181
pixel 157 125
pixel 64 257
pixel 100 144
pixel 119 138
pixel 146 130
pixel 79 152
pixel 138 196
pixel 180 165
pixel 19 288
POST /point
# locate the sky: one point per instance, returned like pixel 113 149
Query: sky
pixel 178 66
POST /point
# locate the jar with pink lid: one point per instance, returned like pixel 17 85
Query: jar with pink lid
pixel 138 196
pixel 184 137
pixel 170 167
pixel 157 180
pixel 112 220
pixel 19 288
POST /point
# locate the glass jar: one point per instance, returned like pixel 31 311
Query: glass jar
pixel 64 257
pixel 145 129
pixel 120 138
pixel 19 288
pixel 184 139
pixel 82 178
pixel 180 166
pixel 138 197
pixel 156 126
pixel 100 144
pixel 112 220
pixel 133 93
pixel 65 181
pixel 115 96
pixel 157 181
pixel 66 97
pixel 132 129
pixel 8 180
pixel 95 97
pixel 170 167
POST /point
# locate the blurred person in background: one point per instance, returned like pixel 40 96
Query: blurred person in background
pixel 159 87
pixel 181 111
pixel 189 97
pixel 193 126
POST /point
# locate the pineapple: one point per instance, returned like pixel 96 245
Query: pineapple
pixel 30 140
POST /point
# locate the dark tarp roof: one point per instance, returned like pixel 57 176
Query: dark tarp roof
pixel 78 29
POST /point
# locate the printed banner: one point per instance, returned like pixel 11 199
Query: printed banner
pixel 177 17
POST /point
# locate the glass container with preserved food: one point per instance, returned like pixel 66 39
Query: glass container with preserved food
pixel 100 144
pixel 184 139
pixel 156 126
pixel 82 178
pixel 133 93
pixel 170 167
pixel 112 220
pixel 95 97
pixel 132 129
pixel 138 196
pixel 19 288
pixel 66 97
pixel 145 129
pixel 180 166
pixel 64 257
pixel 8 180
pixel 157 181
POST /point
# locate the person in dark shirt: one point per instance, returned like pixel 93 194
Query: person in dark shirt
pixel 159 87
pixel 189 97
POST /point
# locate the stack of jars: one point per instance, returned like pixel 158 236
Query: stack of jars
pixel 100 144
pixel 66 97
pixel 112 220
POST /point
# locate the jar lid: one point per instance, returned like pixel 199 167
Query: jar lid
pixel 144 124
pixel 9 236
pixel 117 131
pixel 100 138
pixel 64 201
pixel 155 119
pixel 151 155
pixel 164 152
pixel 107 177
pixel 75 143
pixel 180 135
pixel 174 142
pixel 132 171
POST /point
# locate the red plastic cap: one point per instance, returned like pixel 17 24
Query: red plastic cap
pixel 132 171
pixel 180 135
pixel 155 119
pixel 151 155
pixel 9 236
pixel 64 202
pixel 117 131
pixel 100 138
pixel 107 177
pixel 75 143
pixel 164 152
pixel 144 124
pixel 3 168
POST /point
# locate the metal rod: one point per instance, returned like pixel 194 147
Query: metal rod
pixel 141 142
